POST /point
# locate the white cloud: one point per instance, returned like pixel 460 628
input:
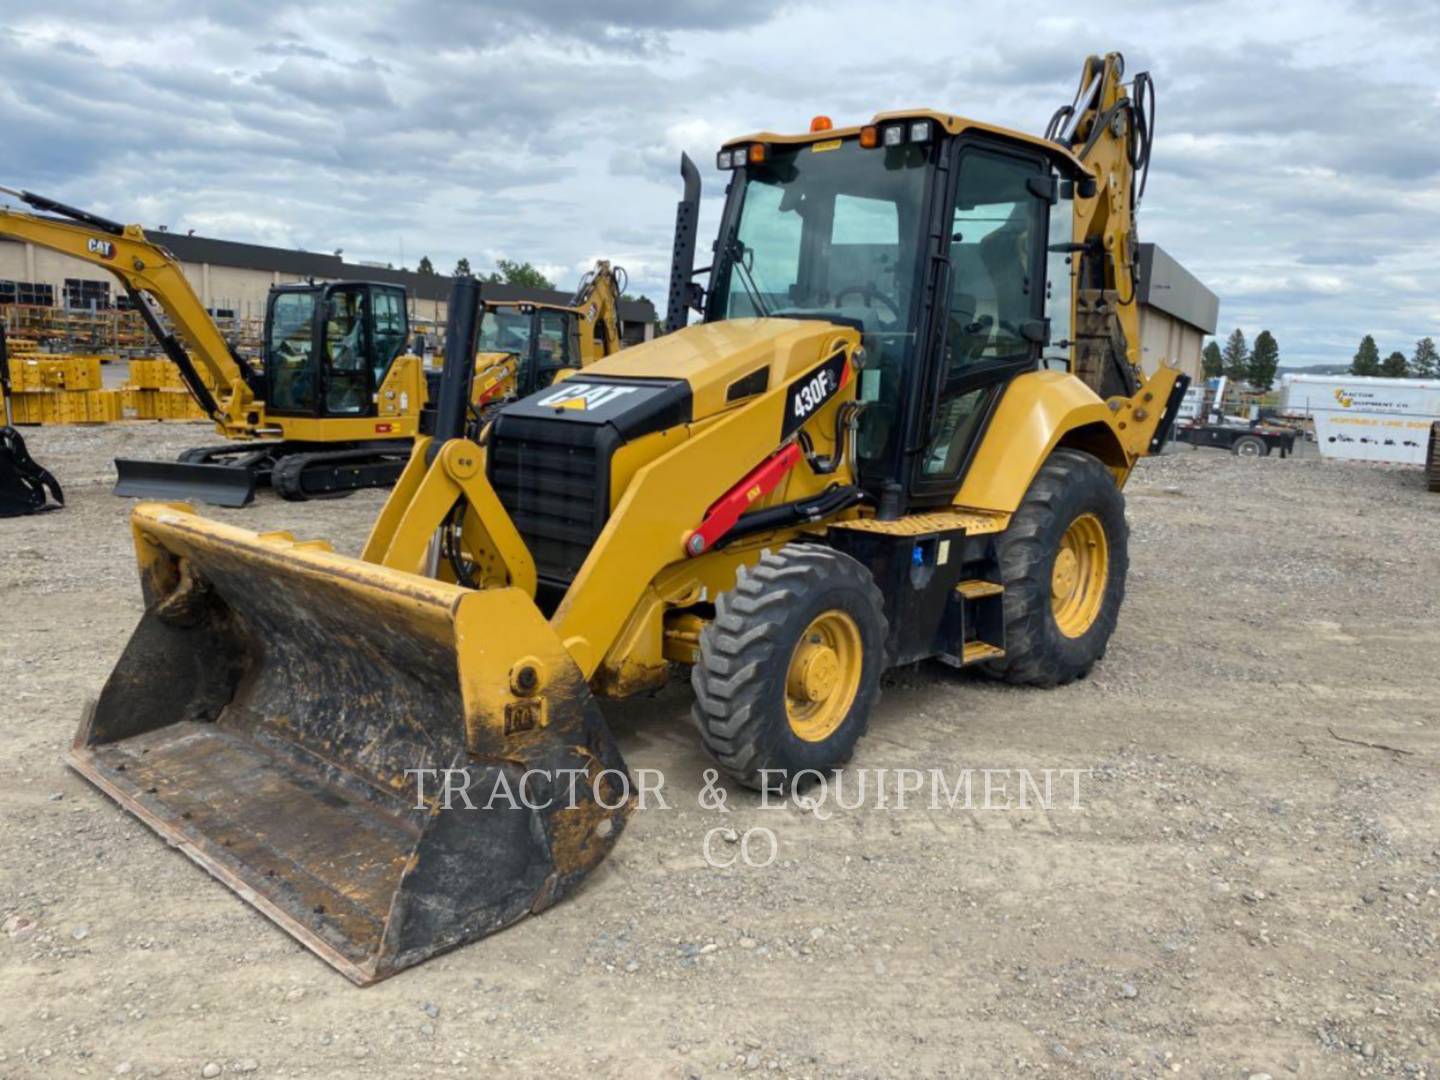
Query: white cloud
pixel 1297 164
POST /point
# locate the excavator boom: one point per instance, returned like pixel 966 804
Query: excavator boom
pixel 142 266
pixel 335 413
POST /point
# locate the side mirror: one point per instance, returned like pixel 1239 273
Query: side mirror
pixel 1046 187
pixel 1036 331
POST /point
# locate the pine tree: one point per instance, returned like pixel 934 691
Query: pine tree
pixel 1212 364
pixel 1395 366
pixel 1367 358
pixel 1236 356
pixel 426 266
pixel 1425 364
pixel 462 268
pixel 1264 360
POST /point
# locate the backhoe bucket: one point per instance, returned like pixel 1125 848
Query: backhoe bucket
pixel 218 485
pixel 386 765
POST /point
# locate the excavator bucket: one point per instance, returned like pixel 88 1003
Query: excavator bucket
pixel 218 485
pixel 386 765
pixel 25 486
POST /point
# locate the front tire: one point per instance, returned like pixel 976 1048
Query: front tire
pixel 1063 561
pixel 790 667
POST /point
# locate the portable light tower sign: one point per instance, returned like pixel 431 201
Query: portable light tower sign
pixel 1365 419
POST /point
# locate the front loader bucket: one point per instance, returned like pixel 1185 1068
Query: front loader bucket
pixel 218 485
pixel 279 706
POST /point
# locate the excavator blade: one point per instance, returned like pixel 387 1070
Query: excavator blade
pixel 218 485
pixel 386 765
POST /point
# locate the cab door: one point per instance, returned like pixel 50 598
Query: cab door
pixel 365 328
pixel 347 351
pixel 291 361
pixel 992 324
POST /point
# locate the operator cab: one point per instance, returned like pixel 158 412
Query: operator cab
pixel 544 340
pixel 329 347
pixel 945 243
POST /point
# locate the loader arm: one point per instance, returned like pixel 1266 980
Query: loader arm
pixel 142 266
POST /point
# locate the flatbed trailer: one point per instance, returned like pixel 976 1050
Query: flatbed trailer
pixel 1243 440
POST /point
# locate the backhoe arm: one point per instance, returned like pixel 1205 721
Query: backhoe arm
pixel 598 301
pixel 1108 127
pixel 145 267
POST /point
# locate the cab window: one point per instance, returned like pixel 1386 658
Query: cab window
pixel 995 282
pixel 287 352
pixel 390 330
pixel 997 286
pixel 552 346
pixel 348 360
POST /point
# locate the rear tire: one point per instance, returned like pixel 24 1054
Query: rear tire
pixel 1060 609
pixel 1250 446
pixel 790 667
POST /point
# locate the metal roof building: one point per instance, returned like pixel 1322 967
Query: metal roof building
pixel 235 278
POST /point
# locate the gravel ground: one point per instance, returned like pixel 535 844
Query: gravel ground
pixel 1248 887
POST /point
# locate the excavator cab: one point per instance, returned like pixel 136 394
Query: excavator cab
pixel 329 347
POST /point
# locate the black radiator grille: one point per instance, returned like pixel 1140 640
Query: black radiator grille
pixel 555 486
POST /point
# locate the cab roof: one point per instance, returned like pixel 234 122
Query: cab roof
pixel 1062 157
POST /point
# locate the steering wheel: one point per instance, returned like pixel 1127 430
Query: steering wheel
pixel 869 293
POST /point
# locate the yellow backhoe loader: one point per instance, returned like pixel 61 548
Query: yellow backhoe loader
pixel 882 444
pixel 334 408
pixel 525 344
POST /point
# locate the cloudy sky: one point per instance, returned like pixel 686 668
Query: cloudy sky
pixel 1296 169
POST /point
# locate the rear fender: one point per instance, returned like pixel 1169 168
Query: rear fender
pixel 1043 410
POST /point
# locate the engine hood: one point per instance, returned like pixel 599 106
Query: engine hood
pixel 727 363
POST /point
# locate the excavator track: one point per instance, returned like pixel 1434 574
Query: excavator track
pixel 336 473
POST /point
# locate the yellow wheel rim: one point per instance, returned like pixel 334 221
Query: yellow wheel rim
pixel 1082 570
pixel 824 676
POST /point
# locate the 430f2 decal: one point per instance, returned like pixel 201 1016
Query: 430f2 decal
pixel 810 392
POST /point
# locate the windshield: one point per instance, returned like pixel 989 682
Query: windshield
pixel 504 330
pixel 831 229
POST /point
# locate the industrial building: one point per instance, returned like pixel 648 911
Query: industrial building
pixel 233 280
pixel 1177 312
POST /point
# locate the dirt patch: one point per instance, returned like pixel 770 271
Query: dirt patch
pixel 1249 886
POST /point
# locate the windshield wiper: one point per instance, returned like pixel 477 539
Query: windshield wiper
pixel 736 252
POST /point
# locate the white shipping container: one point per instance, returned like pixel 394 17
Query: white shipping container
pixel 1365 419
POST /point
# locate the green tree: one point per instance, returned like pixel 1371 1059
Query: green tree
pixel 522 274
pixel 1212 364
pixel 1367 358
pixel 462 268
pixel 426 266
pixel 1264 360
pixel 1425 364
pixel 1236 355
pixel 1395 366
